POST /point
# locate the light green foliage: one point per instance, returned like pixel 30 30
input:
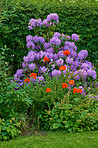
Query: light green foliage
pixel 9 129
pixel 72 115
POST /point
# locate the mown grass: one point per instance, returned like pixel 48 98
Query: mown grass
pixel 54 140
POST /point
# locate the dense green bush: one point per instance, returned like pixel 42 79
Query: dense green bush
pixel 9 129
pixel 78 17
pixel 13 104
pixel 76 115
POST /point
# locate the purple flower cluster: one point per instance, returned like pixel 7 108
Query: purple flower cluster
pixel 53 17
pixel 55 41
pixel 56 73
pixel 47 22
pixel 34 22
pixel 82 54
pixel 76 63
pixel 75 37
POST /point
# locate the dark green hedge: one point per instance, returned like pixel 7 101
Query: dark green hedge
pixel 78 17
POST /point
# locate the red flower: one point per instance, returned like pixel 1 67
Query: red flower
pixel 48 90
pixel 64 85
pixel 79 91
pixel 27 80
pixel 62 68
pixel 33 75
pixel 76 90
pixel 46 59
pixel 66 52
pixel 71 82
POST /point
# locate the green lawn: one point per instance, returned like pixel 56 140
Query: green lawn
pixel 54 140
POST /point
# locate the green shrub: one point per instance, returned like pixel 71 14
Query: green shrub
pixel 76 115
pixel 60 108
pixel 9 129
pixel 13 104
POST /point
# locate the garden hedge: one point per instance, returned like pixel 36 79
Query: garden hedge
pixel 78 17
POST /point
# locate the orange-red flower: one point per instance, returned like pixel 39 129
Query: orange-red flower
pixel 27 80
pixel 46 59
pixel 62 68
pixel 48 90
pixel 71 82
pixel 76 90
pixel 66 52
pixel 33 75
pixel 64 85
pixel 79 91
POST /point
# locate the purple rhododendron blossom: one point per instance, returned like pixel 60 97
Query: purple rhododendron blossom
pixel 73 54
pixel 83 73
pixel 55 57
pixel 16 78
pixel 85 66
pixel 24 65
pixel 89 63
pixel 94 75
pixel 32 23
pixel 82 54
pixel 45 22
pixel 37 46
pixel 57 34
pixel 29 38
pixel 60 61
pixel 50 50
pixel 31 66
pixel 38 22
pixel 30 27
pixel 56 72
pixel 40 78
pixel 68 37
pixel 69 60
pixel 41 40
pixel 35 22
pixel 75 37
pixel 56 41
pixel 35 39
pixel 30 45
pixel 40 55
pixel 44 69
pixel 47 45
pixel 49 55
pixel 53 16
pixel 66 47
pixel 60 54
pixel 19 73
pixel 30 57
pixel 75 48
pixel 70 44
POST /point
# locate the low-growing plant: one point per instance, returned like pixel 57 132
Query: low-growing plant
pixel 9 128
pixel 74 115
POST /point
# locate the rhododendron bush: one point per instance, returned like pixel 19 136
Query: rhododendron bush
pixel 54 54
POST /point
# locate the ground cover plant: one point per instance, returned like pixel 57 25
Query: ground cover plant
pixel 56 87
